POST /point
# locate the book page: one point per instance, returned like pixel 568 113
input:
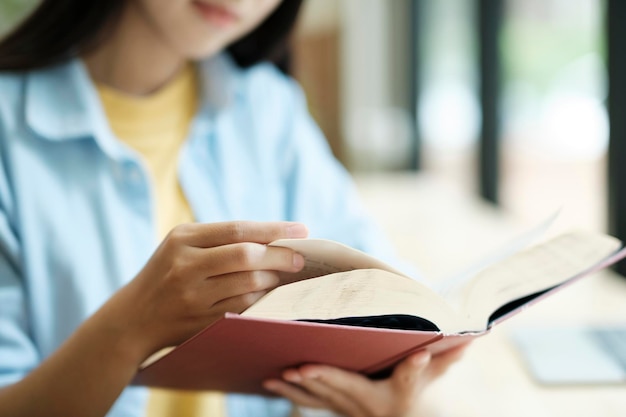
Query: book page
pixel 357 293
pixel 156 356
pixel 323 257
pixel 536 269
pixel 450 287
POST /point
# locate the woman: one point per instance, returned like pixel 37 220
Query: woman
pixel 128 122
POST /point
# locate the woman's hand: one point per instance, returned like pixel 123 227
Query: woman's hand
pixel 199 272
pixel 354 395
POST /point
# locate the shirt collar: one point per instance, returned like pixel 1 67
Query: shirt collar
pixel 221 81
pixel 62 102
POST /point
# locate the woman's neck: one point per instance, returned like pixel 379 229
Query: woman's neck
pixel 134 59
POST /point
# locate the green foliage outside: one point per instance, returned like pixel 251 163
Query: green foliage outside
pixel 536 52
pixel 11 11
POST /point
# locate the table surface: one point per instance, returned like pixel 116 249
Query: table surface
pixel 439 229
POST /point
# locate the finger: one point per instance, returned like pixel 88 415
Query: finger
pixel 237 283
pixel 442 361
pixel 239 257
pixel 236 304
pixel 451 355
pixel 207 235
pixel 409 373
pixel 342 386
pixel 292 393
pixel 334 394
pixel 394 396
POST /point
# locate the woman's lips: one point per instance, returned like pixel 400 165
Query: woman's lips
pixel 217 15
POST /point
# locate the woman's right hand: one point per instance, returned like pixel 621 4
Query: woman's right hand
pixel 199 272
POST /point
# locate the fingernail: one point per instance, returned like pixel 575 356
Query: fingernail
pixel 310 374
pixel 297 230
pixel 292 376
pixel 270 385
pixel 298 261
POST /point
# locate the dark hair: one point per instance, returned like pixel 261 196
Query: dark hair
pixel 58 30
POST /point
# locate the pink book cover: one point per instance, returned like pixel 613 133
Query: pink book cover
pixel 236 353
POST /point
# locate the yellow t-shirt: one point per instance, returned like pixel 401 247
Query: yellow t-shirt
pixel 156 126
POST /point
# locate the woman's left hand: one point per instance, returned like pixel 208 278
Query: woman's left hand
pixel 354 395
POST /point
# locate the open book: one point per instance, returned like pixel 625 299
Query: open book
pixel 348 309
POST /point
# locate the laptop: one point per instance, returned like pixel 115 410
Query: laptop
pixel 573 355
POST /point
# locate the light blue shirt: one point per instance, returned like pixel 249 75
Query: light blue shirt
pixel 76 204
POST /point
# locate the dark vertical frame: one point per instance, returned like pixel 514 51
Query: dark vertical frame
pixel 489 22
pixel 616 64
pixel 415 77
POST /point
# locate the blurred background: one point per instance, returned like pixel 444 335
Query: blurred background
pixel 465 122
pixel 354 59
pixel 400 86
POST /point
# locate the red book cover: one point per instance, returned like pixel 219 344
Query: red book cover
pixel 236 354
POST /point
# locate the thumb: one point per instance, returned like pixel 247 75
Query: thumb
pixel 409 373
